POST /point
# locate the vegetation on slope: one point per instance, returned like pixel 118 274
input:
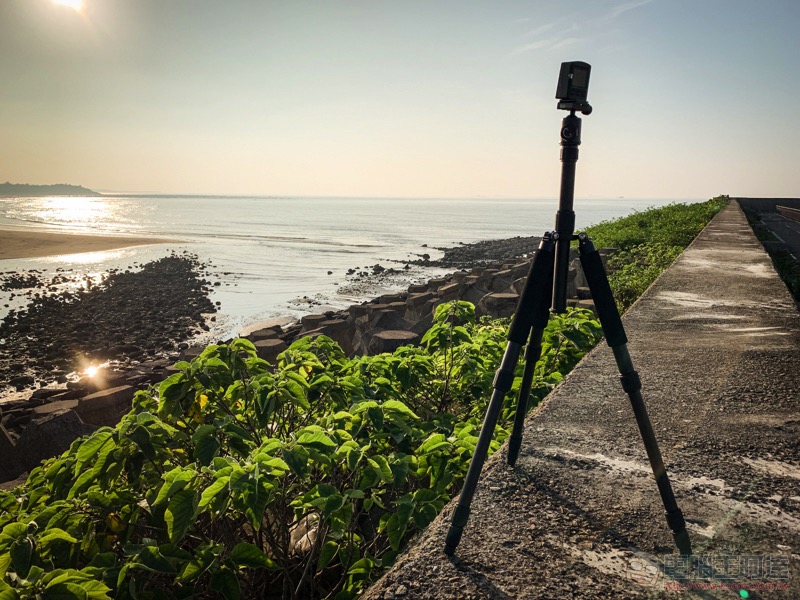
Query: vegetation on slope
pixel 234 478
pixel 648 242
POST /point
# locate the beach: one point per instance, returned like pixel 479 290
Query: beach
pixel 16 244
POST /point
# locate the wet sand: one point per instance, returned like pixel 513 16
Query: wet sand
pixel 32 244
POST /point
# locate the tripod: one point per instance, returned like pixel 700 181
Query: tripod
pixel 545 288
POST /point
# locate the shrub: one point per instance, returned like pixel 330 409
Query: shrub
pixel 235 478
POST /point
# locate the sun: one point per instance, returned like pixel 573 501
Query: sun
pixel 73 4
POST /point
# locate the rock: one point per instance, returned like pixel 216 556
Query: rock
pixel 340 331
pixel 450 291
pixel 435 284
pixel 498 304
pixel 50 436
pixel 45 393
pixel 57 406
pixel 586 304
pixel 265 334
pixel 390 340
pixel 270 348
pixel 105 407
pixel 310 322
pixel 10 465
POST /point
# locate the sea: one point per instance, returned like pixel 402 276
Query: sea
pixel 277 258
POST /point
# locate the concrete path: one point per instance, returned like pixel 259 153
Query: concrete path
pixel 716 341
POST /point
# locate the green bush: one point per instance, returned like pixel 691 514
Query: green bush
pixel 671 225
pixel 235 478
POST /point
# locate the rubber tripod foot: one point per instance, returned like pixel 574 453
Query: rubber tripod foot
pixel 683 542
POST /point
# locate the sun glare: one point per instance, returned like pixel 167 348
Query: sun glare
pixel 73 4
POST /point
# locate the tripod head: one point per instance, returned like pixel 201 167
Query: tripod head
pixel 571 92
pixel 573 87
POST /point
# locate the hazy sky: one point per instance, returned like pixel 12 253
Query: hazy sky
pixel 692 98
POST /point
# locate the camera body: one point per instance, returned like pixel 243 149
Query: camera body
pixel 573 87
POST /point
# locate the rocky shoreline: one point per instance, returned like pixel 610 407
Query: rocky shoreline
pixel 135 325
pixel 72 323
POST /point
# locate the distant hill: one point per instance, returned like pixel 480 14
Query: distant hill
pixel 12 190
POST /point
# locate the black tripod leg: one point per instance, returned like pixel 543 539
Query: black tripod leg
pixel 540 314
pixel 503 380
pixel 618 341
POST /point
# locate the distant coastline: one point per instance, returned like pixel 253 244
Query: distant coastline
pixel 17 190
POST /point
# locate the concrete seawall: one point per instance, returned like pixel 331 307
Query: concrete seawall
pixel 716 341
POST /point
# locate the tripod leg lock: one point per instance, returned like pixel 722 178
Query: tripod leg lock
pixel 630 382
pixel 503 380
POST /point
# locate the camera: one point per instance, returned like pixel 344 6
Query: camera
pixel 573 87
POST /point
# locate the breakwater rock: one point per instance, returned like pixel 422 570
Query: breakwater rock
pixel 46 423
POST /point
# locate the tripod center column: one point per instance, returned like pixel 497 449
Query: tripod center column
pixel 565 217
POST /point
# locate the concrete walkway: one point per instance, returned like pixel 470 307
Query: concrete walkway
pixel 716 341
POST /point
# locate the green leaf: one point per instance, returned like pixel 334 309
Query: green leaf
pixel 5 562
pixel 153 560
pixel 211 492
pixel 65 591
pixel 7 593
pixel 21 552
pixel 250 556
pixel 383 467
pixel 327 554
pixel 180 514
pixel 224 582
pixel 434 442
pixel 55 534
pixel 397 524
pixel 206 449
pixel 92 446
pixel 297 459
pixel 175 480
pixel 84 481
pixel 362 567
pixel 316 439
pixel 397 406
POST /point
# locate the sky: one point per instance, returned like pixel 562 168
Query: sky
pixel 692 98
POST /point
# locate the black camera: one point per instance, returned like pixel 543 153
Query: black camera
pixel 573 87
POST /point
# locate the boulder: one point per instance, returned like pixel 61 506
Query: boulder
pixel 357 310
pixel 11 466
pixel 419 307
pixel 498 304
pixel 436 283
pixel 586 304
pixel 49 436
pixel 311 322
pixel 269 349
pixel 450 291
pixel 390 340
pixel 501 282
pixel 56 406
pixel 265 334
pixel 340 331
pixel 105 407
pixel 391 298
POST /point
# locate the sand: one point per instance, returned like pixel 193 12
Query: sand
pixel 33 244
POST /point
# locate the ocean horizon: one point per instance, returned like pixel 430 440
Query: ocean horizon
pixel 279 256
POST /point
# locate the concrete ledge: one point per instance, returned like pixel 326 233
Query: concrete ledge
pixel 716 341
